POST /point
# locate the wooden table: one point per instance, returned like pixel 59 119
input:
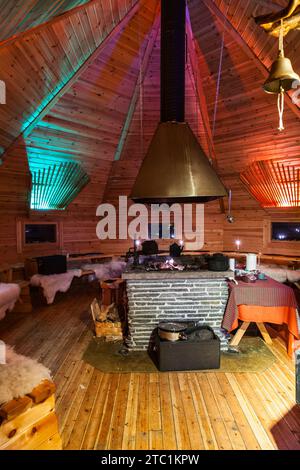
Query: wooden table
pixel 261 302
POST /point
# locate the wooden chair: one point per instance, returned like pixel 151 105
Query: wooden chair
pixel 6 273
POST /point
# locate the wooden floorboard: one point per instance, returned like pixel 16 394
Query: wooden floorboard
pixel 153 411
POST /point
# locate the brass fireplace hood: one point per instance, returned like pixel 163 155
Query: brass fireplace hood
pixel 175 168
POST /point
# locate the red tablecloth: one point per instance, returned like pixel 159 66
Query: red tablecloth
pixel 264 301
pixel 267 293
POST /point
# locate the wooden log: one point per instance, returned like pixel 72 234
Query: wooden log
pixel 43 391
pixel 13 428
pixel 35 435
pixel 107 329
pixel 35 428
pixel 14 408
pixel 271 22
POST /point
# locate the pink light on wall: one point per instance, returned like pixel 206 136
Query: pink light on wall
pixel 273 183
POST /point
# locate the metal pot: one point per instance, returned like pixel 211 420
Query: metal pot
pixel 173 331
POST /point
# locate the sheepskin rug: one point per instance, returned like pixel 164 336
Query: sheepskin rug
pixel 111 270
pixel 9 294
pixel 55 283
pixel 20 375
pixel 280 273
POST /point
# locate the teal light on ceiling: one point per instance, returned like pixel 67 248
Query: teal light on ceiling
pixel 26 126
pixel 56 186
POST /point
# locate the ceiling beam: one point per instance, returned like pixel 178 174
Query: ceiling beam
pixel 55 19
pixel 114 32
pixel 237 37
pixel 139 82
pixel 270 4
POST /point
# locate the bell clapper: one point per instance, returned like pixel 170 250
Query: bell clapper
pixel 280 104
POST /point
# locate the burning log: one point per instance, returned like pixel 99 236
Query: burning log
pixel 271 22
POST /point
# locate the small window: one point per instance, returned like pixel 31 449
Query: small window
pixel 160 231
pixel 40 233
pixel 286 231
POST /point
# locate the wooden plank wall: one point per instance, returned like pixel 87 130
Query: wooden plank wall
pixel 36 65
pixel 246 126
pixel 21 16
pixel 71 130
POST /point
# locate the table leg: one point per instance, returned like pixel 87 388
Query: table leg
pixel 264 333
pixel 291 340
pixel 239 334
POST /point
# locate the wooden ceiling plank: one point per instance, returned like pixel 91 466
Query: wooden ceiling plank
pixel 53 20
pixel 194 52
pixel 115 31
pixel 139 82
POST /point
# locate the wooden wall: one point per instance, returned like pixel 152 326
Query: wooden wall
pixel 106 105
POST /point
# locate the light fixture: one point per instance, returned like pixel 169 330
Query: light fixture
pixel 56 186
pixel 282 78
pixel 238 244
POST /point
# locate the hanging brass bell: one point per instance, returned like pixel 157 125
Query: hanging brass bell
pixel 282 75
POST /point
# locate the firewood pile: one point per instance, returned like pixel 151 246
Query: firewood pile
pixel 107 321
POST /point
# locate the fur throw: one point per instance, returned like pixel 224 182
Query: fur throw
pixel 20 375
pixel 111 270
pixel 280 273
pixel 55 283
pixel 9 294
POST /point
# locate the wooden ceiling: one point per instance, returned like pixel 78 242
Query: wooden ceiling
pixel 19 16
pixel 84 86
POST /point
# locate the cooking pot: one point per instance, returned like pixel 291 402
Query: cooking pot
pixel 172 331
pixel 149 247
pixel 218 262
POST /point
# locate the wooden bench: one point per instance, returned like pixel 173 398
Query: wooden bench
pixel 30 422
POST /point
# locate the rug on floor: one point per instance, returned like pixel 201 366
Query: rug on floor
pixel 254 356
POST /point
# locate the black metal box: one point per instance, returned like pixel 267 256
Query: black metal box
pixel 186 354
pixel 56 264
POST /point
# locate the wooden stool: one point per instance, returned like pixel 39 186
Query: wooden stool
pixel 112 292
pixel 24 304
pixel 30 422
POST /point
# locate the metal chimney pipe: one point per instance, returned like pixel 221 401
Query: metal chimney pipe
pixel 173 57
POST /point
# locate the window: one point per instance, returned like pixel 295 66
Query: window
pixel 285 231
pixel 40 233
pixel 160 231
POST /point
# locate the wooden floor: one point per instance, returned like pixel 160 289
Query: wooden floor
pixel 153 411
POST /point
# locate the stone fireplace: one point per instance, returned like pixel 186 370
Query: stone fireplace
pixel 168 296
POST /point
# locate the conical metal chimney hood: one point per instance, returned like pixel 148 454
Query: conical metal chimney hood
pixel 175 168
